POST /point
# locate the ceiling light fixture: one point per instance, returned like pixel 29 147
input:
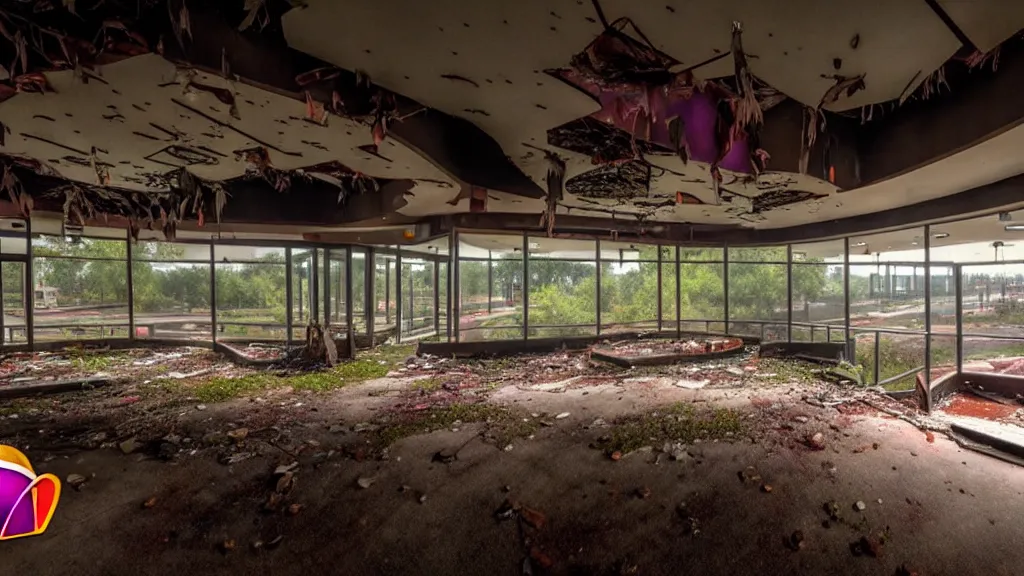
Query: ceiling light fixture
pixel 859 244
pixel 1013 227
pixel 940 235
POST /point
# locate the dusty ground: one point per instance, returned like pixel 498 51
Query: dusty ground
pixel 728 478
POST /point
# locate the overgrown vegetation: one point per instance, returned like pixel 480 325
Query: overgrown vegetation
pixel 504 424
pixel 368 366
pixel 679 422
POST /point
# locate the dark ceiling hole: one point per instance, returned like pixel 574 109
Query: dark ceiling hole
pixel 406 77
pixel 716 50
pixel 441 28
pixel 598 140
pixel 466 24
pixel 540 83
pixel 488 80
pixel 553 29
pixel 627 180
pixel 591 20
pixel 68 114
pixel 555 15
pixel 507 81
pixel 367 51
pixel 670 9
pixel 837 63
pixel 504 21
pixel 541 106
pixel 454 53
pixel 770 35
pixel 785 53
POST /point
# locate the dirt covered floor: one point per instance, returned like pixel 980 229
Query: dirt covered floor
pixel 549 464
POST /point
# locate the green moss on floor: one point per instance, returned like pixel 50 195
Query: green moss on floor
pixel 367 366
pixel 504 424
pixel 786 370
pixel 427 385
pixel 679 422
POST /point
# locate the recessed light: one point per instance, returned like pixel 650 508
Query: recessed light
pixel 1013 227
pixel 913 243
pixel 940 235
pixel 859 244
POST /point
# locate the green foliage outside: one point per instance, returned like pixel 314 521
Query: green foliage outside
pixel 565 292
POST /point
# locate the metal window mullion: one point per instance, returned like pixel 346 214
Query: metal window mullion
pixel 28 286
pixel 789 295
pixel 314 286
pixel 213 296
pixel 927 316
pixel 959 304
pixel 327 290
pixel 660 311
pixel 288 313
pixel 679 298
pixel 725 284
pixel 398 295
pixel 437 298
pixel 350 332
pixel 490 281
pixel 846 300
pixel 370 293
pixel 130 253
pixel 455 286
pixel 526 286
pixel 597 289
pixel 451 305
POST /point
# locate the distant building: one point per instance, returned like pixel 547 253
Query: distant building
pixel 46 297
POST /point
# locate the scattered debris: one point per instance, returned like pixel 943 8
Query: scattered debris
pixel 860 506
pixel 816 441
pixel 76 481
pixel 562 416
pixel 750 476
pixel 795 542
pixel 128 446
pixel 150 502
pixel 366 481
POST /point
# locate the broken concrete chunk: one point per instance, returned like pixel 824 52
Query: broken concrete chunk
pixel 128 446
pixel 366 481
pixel 76 481
pixel 692 384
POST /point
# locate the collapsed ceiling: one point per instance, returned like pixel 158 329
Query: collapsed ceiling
pixel 735 114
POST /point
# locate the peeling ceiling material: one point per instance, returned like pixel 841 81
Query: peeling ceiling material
pixel 654 112
pixel 147 118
